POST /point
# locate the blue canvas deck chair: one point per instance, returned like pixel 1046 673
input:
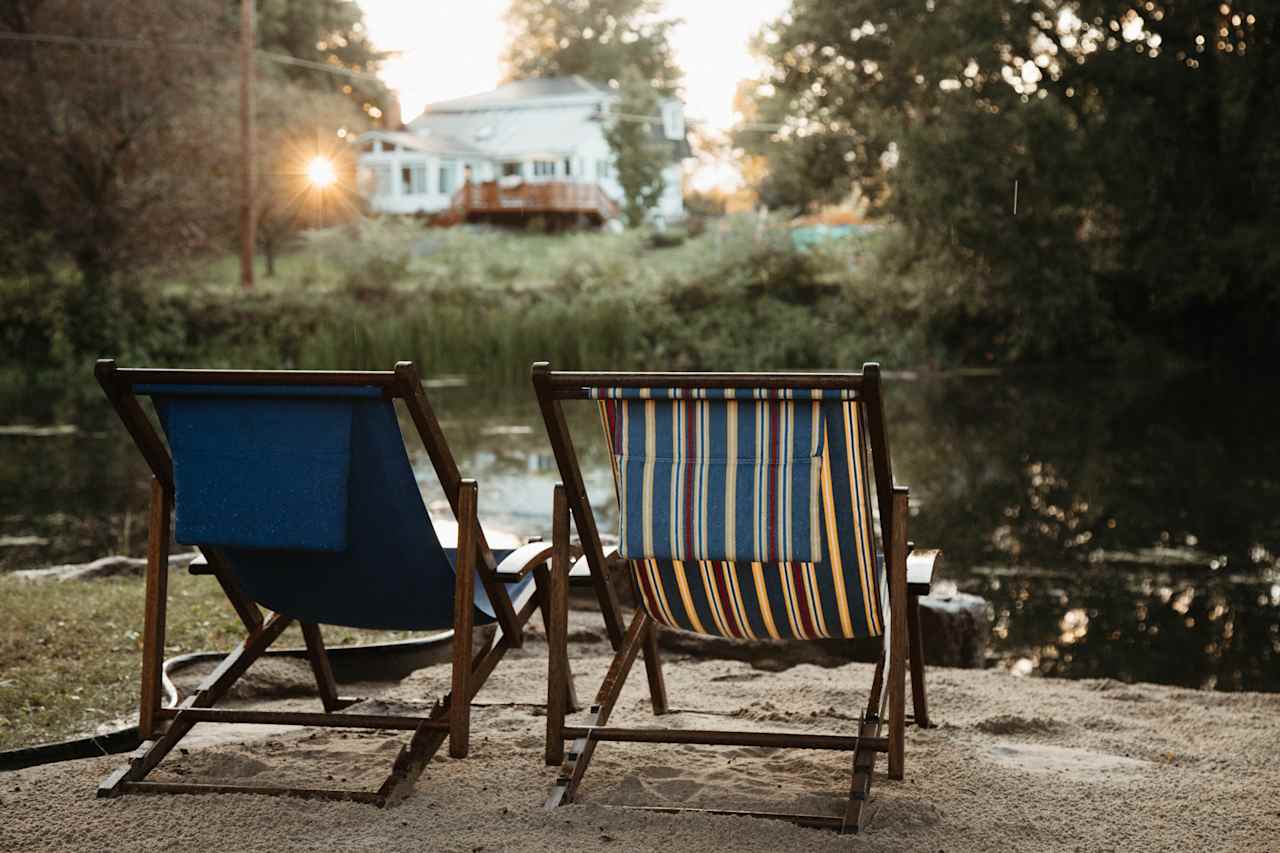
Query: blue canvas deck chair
pixel 297 488
pixel 745 507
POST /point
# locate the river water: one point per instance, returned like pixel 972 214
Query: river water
pixel 1119 527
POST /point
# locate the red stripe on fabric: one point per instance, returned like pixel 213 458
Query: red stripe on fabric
pixel 726 601
pixel 647 593
pixel 691 450
pixel 772 540
pixel 802 599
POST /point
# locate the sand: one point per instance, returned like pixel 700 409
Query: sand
pixel 1014 763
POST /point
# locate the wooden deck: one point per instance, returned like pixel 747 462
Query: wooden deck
pixel 559 201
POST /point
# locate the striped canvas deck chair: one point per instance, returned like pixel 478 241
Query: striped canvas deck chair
pixel 746 511
pixel 298 491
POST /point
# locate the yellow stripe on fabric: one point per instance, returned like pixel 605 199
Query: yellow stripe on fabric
pixel 833 542
pixel 655 578
pixel 639 571
pixel 810 573
pixel 865 573
pixel 686 598
pixel 713 600
pixel 789 598
pixel 869 537
pixel 613 453
pixel 762 593
pixel 739 601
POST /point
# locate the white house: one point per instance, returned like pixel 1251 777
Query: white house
pixel 520 135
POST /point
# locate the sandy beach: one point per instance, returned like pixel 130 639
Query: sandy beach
pixel 1014 763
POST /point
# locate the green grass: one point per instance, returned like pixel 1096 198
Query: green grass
pixel 487 303
pixel 72 650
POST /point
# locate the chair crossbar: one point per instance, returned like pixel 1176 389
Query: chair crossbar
pixel 301 718
pixel 811 821
pixel 720 737
pixel 371 797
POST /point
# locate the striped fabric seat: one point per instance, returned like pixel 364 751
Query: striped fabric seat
pixel 746 513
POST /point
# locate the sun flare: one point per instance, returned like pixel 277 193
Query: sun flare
pixel 320 172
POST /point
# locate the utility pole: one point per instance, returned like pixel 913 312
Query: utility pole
pixel 247 224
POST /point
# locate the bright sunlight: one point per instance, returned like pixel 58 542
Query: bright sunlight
pixel 320 172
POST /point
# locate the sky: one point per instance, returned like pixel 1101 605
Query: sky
pixel 450 48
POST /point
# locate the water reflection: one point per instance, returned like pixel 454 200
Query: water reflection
pixel 1124 529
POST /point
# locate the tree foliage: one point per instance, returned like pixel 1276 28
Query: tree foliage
pixel 639 155
pixel 99 164
pixel 1144 142
pixel 123 145
pixel 326 31
pixel 598 39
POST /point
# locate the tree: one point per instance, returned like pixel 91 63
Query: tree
pixel 640 155
pixel 598 39
pixel 295 126
pixel 110 159
pixel 1144 141
pixel 121 154
pixel 331 32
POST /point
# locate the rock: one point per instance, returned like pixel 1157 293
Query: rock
pixel 956 629
pixel 104 567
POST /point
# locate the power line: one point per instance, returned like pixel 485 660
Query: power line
pixel 139 44
pixel 286 59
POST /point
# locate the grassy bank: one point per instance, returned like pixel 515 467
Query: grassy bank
pixel 71 650
pixel 488 303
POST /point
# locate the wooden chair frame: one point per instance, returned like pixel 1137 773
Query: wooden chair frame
pixel 162 727
pixel 910 575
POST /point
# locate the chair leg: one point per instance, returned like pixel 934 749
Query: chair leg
pixel 579 755
pixel 543 584
pixel 897 567
pixel 157 591
pixel 463 620
pixel 915 649
pixel 864 764
pixel 556 616
pixel 653 669
pixel 319 660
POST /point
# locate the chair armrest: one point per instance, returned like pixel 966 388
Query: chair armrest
pixel 920 568
pixel 199 566
pixel 526 558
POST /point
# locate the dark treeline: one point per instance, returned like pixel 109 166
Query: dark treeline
pixel 1143 138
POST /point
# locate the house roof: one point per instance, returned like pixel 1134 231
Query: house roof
pixel 539 116
pixel 520 94
pixel 431 142
pixel 550 129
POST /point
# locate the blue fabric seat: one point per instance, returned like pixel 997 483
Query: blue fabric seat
pixel 309 494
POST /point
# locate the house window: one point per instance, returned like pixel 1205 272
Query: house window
pixel 388 148
pixel 448 176
pixel 544 168
pixel 413 179
pixel 602 169
pixel 511 167
pixel 568 167
pixel 368 147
